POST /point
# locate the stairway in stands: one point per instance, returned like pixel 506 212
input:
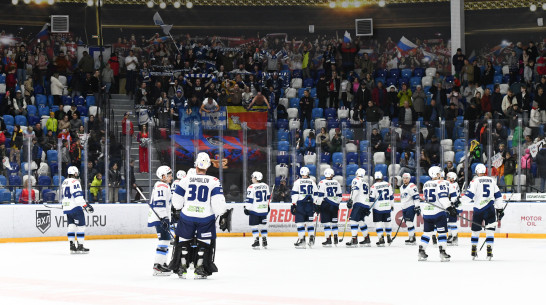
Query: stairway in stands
pixel 121 104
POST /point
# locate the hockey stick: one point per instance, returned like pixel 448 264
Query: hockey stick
pixel 396 234
pixel 483 244
pixel 371 207
pixel 347 219
pixel 168 229
pixel 53 206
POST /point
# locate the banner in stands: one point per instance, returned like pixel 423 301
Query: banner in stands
pixel 255 118
pixel 214 120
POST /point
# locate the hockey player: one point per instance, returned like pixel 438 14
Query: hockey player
pixel 382 191
pixel 453 192
pixel 159 217
pixel 257 208
pixel 73 205
pixel 329 195
pixel 199 198
pixel 360 204
pixel 484 193
pixel 303 198
pixel 434 213
pixel 409 197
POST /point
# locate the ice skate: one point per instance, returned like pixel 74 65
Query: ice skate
pixel 264 242
pixel 366 242
pixel 300 244
pixel 183 271
pixel 81 249
pixel 328 242
pixel 474 252
pixel 381 242
pixel 422 256
pixel 161 270
pixel 200 273
pixel 353 243
pixel 489 252
pixel 410 241
pixel 73 249
pixel 256 244
pixel 311 241
pixel 449 239
pixel 443 255
pixel 335 240
pixel 389 239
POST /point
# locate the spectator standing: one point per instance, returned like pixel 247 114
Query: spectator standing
pixel 96 187
pixel 114 64
pixel 114 181
pixel 131 63
pixel 419 97
pixel 306 107
pixel 144 143
pixel 458 61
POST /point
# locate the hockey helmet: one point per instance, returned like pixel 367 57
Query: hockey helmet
pixel 202 161
pixel 304 171
pixel 163 170
pixel 73 171
pixel 328 173
pixel 378 176
pixel 257 175
pixel 180 174
pixel 434 172
pixel 191 172
pixel 480 169
pixel 451 175
pixel 406 177
pixel 360 172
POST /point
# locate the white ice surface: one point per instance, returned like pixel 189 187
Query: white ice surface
pixel 120 272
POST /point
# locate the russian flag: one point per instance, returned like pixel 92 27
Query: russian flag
pixel 405 46
pixel 43 34
pixel 347 37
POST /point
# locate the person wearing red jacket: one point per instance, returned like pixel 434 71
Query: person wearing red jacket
pixel 24 194
pixel 114 65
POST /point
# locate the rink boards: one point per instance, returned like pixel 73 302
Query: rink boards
pixel 39 223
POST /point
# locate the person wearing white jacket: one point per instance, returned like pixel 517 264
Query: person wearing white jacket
pixel 534 120
pixel 56 89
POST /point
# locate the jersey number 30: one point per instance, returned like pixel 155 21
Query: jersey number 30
pixel 200 193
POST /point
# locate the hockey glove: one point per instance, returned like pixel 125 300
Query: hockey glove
pixel 500 214
pixel 165 224
pixel 88 208
pixel 418 211
pixel 350 204
pixel 175 215
pixel 246 211
pixel 317 208
pixel 225 220
pixel 367 212
pixel 452 211
pixel 293 209
pixel 457 202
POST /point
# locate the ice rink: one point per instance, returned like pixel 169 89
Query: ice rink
pixel 120 272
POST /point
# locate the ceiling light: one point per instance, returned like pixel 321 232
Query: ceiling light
pixel 150 4
pixel 14 2
pixel 382 3
pixel 533 8
pixel 50 2
pixel 176 4
pixel 162 5
pixel 189 4
pixel 544 6
pixel 90 3
pixel 332 4
pixel 345 4
pixel 357 4
pixel 26 1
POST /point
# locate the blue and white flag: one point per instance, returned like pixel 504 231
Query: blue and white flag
pixel 429 57
pixel 158 21
pixel 214 120
pixel 347 37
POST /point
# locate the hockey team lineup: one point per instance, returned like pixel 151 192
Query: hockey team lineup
pixel 184 213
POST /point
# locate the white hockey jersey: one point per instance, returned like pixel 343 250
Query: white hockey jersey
pixel 409 195
pixel 200 197
pixel 160 201
pixel 329 191
pixel 360 192
pixel 382 191
pixel 257 199
pixel 483 191
pixel 454 191
pixel 72 195
pixel 302 188
pixel 435 192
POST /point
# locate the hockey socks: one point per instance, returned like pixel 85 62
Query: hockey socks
pixel 161 252
pixel 411 228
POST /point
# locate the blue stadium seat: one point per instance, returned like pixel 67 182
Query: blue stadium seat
pixel 349 180
pixel 379 79
pixel 363 157
pixel 352 157
pixel 330 113
pixel 312 169
pixel 44 181
pixel 56 180
pixel 498 70
pixel 43 111
pixel 308 83
pixel 51 155
pixel 506 79
pixel 338 170
pixel 48 196
pixel 20 120
pixel 473 167
pixel 278 181
pixel 348 133
pixel 32 110
pixel 381 168
pixel 300 92
pixel 351 169
pixel 406 73
pixel 295 102
pixel 337 158
pixel 384 132
pixel 364 145
pixel 424 179
pixel 9 120
pixel 283 145
pixel 419 72
pixel 33 120
pixel 122 195
pixel 283 135
pixel 414 81
pixel 333 124
pixel 83 110
pixel 282 124
pixel 458 156
pixel 391 81
pixel 3 180
pixel 14 168
pixel 497 79
pixel 50 100
pixel 381 73
pixel 283 159
pixel 490 87
pixel 5 196
pixel 325 157
pixel 79 101
pixel 317 113
pixel 41 100
pixel 90 100
pixel 67 100
pixel 24 166
pixel 402 81
pixel 459 145
pixel 394 73
pixel 15 180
